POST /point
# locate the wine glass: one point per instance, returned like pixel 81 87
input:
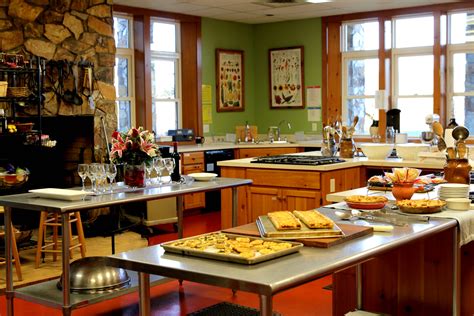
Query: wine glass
pixel 82 170
pixel 111 172
pixel 94 175
pixel 159 166
pixel 169 165
pixel 149 169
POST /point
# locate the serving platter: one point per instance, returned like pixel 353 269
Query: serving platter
pixel 211 252
pixel 203 176
pixel 60 194
pixel 268 230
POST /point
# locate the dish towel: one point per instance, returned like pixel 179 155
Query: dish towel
pixel 465 220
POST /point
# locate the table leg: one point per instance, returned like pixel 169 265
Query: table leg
pixel 179 210
pixel 234 206
pixel 456 273
pixel 65 261
pixel 8 259
pixel 266 305
pixel 144 293
pixel 359 285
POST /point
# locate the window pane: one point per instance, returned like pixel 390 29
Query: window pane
pixel 463 72
pixel 121 76
pixel 388 34
pixel 412 114
pixel 414 32
pixel 164 117
pixel 121 32
pixel 163 79
pixel 462 28
pixel 362 36
pixel 464 111
pixel 415 75
pixel 163 37
pixel 360 107
pixel 363 76
pixel 124 115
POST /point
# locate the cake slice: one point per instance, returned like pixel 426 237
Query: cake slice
pixel 284 220
pixel 314 219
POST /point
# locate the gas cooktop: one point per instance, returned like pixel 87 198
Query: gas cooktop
pixel 298 160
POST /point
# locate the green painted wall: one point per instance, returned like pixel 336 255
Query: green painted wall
pixel 256 40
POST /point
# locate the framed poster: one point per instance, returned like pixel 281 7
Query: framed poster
pixel 286 77
pixel 229 80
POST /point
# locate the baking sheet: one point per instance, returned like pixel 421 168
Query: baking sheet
pixel 211 254
pixel 267 230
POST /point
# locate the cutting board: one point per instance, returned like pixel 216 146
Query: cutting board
pixel 240 132
pixel 350 232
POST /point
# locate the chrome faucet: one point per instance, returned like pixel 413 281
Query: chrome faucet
pixel 278 129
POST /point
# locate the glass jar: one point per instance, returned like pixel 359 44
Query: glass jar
pixel 390 135
pixel 374 131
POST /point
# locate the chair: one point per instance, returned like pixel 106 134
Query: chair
pixel 52 244
pixel 16 257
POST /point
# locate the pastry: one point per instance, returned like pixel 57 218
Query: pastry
pixel 420 204
pixel 365 199
pixel 314 219
pixel 284 220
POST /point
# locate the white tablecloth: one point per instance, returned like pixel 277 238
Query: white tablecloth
pixel 465 220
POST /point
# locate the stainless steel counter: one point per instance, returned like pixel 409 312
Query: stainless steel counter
pixel 30 202
pixel 269 278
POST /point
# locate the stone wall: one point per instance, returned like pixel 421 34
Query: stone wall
pixel 71 30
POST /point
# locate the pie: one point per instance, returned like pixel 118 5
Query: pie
pixel 314 219
pixel 365 199
pixel 420 204
pixel 284 220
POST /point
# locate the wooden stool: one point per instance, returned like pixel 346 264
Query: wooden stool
pixel 54 220
pixel 16 257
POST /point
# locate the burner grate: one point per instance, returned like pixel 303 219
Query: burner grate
pixel 298 160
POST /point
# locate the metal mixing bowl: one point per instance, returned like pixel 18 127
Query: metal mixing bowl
pixel 427 136
pixel 91 275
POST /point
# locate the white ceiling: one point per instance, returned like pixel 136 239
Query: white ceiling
pixel 260 11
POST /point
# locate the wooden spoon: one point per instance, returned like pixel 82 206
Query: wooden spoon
pixel 451 153
pixel 461 149
pixel 438 130
pixel 344 131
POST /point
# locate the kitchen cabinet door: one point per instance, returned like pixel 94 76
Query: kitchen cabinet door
pixel 300 199
pixel 191 163
pixel 262 200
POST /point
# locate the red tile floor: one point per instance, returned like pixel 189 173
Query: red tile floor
pixel 171 300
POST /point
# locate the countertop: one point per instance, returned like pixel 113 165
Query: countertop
pixel 229 145
pixel 349 162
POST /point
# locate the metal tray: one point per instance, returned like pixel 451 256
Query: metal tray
pixel 267 230
pixel 208 253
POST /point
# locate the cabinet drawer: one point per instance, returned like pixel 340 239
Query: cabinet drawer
pixel 258 152
pixel 187 169
pixel 284 178
pixel 193 158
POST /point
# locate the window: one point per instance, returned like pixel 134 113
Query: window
pixel 360 72
pixel 165 76
pixel 124 72
pixel 461 68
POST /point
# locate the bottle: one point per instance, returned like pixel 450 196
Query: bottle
pixel 175 176
pixel 3 122
pixel 448 132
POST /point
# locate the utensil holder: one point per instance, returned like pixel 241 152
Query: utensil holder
pixel 457 171
pixel 347 148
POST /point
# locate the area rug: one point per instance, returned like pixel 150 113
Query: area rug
pixel 228 309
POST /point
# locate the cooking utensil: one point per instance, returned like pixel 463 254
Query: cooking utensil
pixel 461 149
pixel 438 130
pixel 460 133
pixel 344 215
pixel 369 217
pixel 451 153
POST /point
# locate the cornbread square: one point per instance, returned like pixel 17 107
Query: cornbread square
pixel 314 219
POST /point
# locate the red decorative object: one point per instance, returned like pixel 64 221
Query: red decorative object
pixel 403 190
pixel 134 175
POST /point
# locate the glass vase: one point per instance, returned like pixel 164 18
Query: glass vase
pixel 134 175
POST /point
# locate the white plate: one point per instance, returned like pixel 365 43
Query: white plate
pixel 454 185
pixel 202 176
pixel 60 194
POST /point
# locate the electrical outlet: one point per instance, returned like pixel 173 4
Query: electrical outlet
pixel 332 185
pixel 314 127
pixel 205 128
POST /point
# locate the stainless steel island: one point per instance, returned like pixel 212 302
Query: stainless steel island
pixel 271 277
pixel 28 202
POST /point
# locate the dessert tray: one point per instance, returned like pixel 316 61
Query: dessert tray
pixel 232 247
pixel 268 230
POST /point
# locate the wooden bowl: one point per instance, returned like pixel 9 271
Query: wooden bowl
pixel 24 127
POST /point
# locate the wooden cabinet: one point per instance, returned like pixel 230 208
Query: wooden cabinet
pixel 278 190
pixel 190 163
pixel 269 199
pixel 259 152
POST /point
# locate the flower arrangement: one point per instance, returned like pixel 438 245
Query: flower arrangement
pixel 133 147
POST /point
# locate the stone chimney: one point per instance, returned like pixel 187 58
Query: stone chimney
pixel 71 30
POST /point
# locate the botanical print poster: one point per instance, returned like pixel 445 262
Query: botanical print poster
pixel 286 77
pixel 230 80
